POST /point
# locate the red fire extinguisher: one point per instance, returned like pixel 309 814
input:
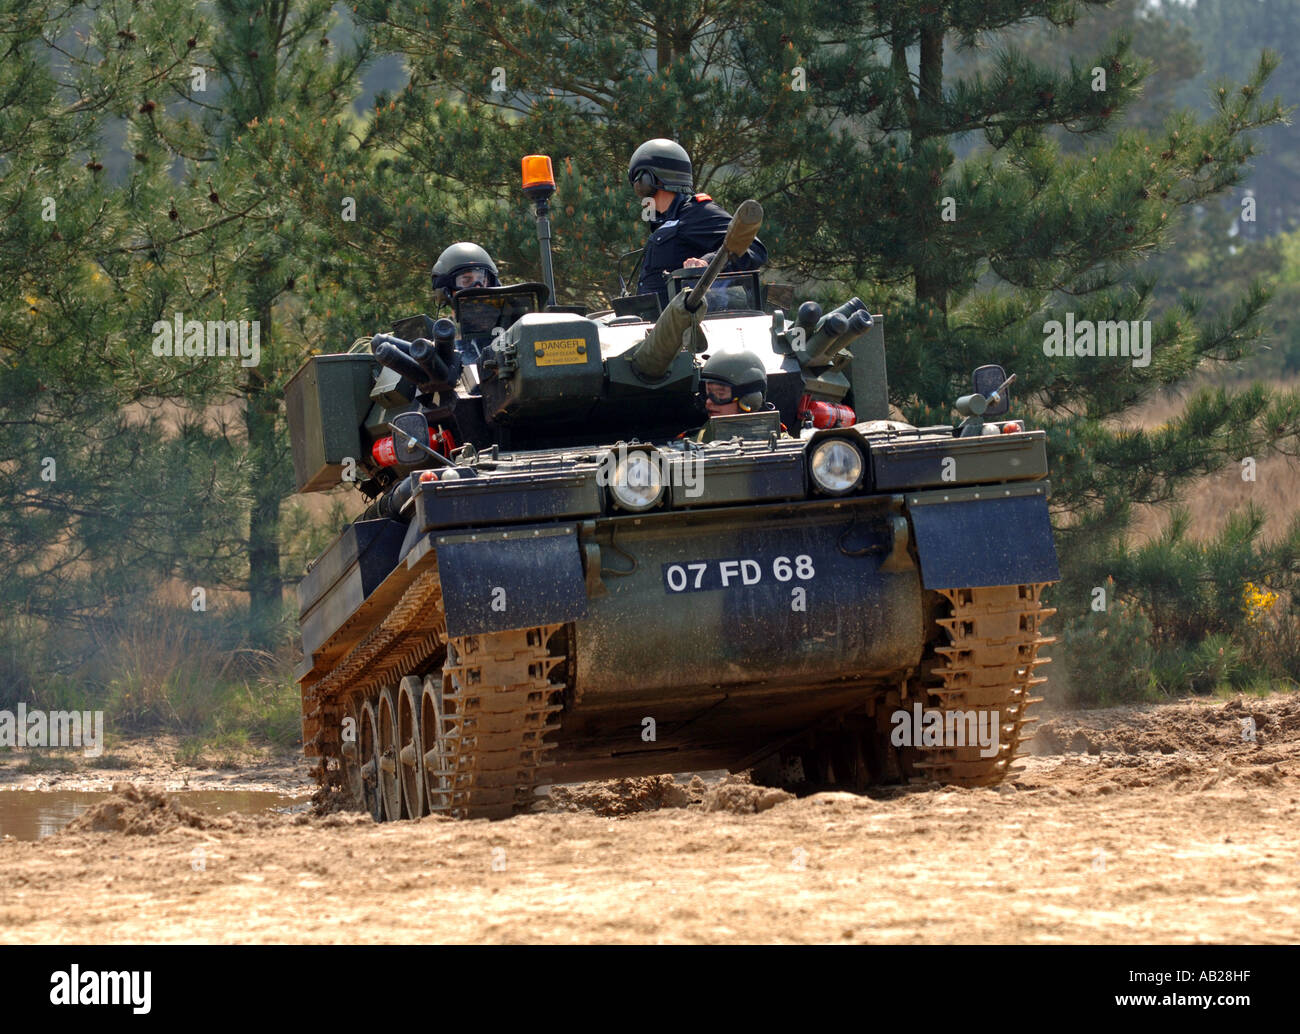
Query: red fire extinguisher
pixel 825 414
pixel 385 453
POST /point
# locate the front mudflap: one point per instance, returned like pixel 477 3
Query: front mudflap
pixel 990 535
pixel 495 580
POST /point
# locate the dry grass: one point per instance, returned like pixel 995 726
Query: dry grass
pixel 1276 487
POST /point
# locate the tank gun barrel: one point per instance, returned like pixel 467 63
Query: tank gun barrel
pixel 654 355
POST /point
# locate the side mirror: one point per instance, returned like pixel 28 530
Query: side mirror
pixel 412 425
pixel 991 381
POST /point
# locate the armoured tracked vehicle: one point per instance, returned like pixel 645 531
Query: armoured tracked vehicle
pixel 553 583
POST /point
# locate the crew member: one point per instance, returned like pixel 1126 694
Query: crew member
pixel 687 228
pixel 733 382
pixel 460 267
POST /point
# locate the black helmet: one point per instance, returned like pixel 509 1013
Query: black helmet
pixel 460 258
pixel 667 163
pixel 744 372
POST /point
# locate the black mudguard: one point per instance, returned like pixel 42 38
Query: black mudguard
pixel 497 580
pixel 999 540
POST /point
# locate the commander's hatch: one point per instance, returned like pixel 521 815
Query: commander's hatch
pixel 730 294
pixel 479 311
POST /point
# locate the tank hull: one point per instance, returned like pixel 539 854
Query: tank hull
pixel 711 639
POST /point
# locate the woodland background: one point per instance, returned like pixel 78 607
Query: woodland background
pixel 166 156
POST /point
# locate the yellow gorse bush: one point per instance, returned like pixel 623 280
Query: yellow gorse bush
pixel 1258 601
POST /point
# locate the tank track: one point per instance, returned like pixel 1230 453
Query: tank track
pixel 988 664
pixel 495 707
pixel 497 703
pixel 410 633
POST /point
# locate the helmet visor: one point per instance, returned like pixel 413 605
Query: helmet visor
pixel 475 276
pixel 718 392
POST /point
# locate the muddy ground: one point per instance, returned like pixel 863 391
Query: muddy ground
pixel 159 762
pixel 1151 825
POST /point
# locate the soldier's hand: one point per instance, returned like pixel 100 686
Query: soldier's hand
pixel 691 263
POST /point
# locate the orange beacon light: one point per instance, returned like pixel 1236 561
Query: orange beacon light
pixel 538 175
pixel 539 185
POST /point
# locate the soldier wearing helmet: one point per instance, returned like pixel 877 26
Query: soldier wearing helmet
pixel 687 228
pixel 733 382
pixel 461 267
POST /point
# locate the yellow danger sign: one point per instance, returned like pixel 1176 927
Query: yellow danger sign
pixel 565 352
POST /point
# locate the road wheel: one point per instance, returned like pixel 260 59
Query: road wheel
pixel 437 783
pixel 368 751
pixel 390 786
pixel 350 759
pixel 410 752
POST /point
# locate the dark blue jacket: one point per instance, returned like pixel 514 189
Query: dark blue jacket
pixel 693 227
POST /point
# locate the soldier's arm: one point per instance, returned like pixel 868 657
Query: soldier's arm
pixel 754 258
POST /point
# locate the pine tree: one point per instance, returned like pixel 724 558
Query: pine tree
pixel 1231 35
pixel 490 83
pixel 845 120
pixel 102 492
pixel 273 88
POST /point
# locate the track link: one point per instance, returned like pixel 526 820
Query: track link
pixel 410 633
pixel 988 665
pixel 498 703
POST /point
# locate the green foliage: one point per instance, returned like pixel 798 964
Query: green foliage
pixel 1231 34
pixel 1106 657
pixel 1281 356
pixel 122 468
pixel 1194 616
pixel 99 494
pixel 304 537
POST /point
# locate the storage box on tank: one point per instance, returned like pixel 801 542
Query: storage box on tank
pixel 327 401
pixel 548 364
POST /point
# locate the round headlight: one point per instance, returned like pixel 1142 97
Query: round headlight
pixel 836 465
pixel 636 483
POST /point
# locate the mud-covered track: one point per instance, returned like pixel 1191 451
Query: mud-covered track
pixel 498 704
pixel 988 665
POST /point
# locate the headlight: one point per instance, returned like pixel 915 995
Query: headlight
pixel 636 483
pixel 836 466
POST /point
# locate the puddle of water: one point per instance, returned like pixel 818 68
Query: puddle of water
pixel 32 814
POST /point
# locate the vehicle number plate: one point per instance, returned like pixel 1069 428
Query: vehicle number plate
pixel 742 572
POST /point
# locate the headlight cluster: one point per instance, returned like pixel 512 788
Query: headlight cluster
pixel 636 483
pixel 836 466
pixel 638 479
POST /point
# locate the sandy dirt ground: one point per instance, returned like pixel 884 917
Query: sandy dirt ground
pixel 1153 825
